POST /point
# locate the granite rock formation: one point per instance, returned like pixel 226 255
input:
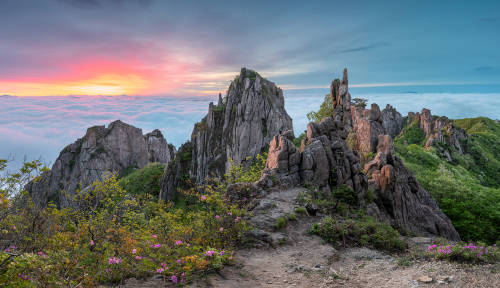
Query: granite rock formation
pixel 392 121
pixel 239 127
pixel 438 131
pixel 327 161
pixel 100 152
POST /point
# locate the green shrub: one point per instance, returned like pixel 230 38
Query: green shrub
pixel 249 172
pixel 325 110
pixel 362 231
pixel 297 141
pixel 301 210
pixel 465 252
pixel 144 181
pixel 281 222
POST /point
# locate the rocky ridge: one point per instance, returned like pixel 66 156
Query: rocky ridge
pixel 330 156
pixel 440 132
pixel 239 127
pixel 103 150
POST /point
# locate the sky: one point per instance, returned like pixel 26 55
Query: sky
pixel 71 64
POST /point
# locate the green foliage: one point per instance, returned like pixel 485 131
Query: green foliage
pixel 359 231
pixel 359 102
pixel 218 109
pixel 325 110
pixel 249 171
pixel 301 210
pixel 467 190
pixel 144 181
pixel 412 134
pixel 297 141
pixel 281 222
pixel 113 236
pixel 345 194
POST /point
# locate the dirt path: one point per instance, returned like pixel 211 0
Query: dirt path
pixel 297 259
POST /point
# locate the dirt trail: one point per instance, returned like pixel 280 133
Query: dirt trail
pixel 304 260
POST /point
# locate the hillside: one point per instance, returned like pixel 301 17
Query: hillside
pixel 466 186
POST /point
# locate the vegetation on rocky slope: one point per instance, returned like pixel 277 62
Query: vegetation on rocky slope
pixel 466 188
pixel 114 234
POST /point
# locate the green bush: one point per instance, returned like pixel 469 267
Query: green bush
pixel 361 231
pixel 297 141
pixel 465 252
pixel 144 181
pixel 248 172
pixel 325 110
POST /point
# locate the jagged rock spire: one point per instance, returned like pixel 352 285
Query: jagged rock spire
pixel 327 161
pixel 240 126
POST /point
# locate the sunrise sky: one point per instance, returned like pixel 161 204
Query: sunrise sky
pixel 172 57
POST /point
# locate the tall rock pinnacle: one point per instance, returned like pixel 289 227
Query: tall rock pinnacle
pixel 240 126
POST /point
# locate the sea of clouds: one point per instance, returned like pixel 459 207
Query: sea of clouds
pixel 40 127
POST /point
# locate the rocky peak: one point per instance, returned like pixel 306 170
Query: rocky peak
pixel 327 161
pixel 101 151
pixel 392 121
pixel 240 126
pixel 440 130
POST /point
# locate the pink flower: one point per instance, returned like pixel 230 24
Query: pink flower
pixel 188 245
pixel 217 216
pixel 203 197
pixel 138 257
pixel 160 270
pixel 164 265
pixel 134 251
pixel 178 242
pixel 222 253
pixel 230 258
pixel 221 229
pixel 179 261
pixel 229 213
pixel 174 279
pixel 92 243
pixel 209 253
pixel 14 227
pixel 154 236
pixel 114 260
pixel 157 246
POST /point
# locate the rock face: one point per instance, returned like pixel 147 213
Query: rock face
pixel 367 126
pixel 392 121
pixel 440 130
pixel 101 151
pixel 327 161
pixel 240 126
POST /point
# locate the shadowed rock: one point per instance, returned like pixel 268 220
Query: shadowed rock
pixel 100 152
pixel 238 128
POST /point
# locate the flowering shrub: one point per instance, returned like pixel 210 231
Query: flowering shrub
pixel 465 252
pixel 114 236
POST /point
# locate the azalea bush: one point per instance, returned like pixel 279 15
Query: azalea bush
pixel 465 252
pixel 113 236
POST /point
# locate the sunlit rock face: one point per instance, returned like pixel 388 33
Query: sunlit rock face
pixel 330 156
pixel 102 151
pixel 239 127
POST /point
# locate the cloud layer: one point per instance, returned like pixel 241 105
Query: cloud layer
pixel 42 126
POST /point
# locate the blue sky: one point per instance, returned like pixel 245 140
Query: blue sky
pixel 442 55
